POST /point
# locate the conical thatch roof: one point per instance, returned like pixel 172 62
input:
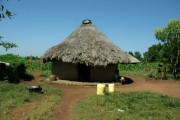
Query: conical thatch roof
pixel 133 59
pixel 89 46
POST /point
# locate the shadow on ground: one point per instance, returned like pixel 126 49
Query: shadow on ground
pixel 27 77
pixel 128 81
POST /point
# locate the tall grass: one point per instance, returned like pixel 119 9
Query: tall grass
pixel 128 106
pixel 145 70
pixel 39 69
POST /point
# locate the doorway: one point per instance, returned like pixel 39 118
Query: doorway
pixel 83 72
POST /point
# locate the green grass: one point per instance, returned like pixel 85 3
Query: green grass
pixel 140 69
pixel 136 106
pixel 144 70
pixel 136 73
pixel 43 110
pixel 13 95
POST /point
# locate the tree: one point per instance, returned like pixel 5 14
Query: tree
pixel 154 53
pixel 131 53
pixel 137 55
pixel 170 37
pixel 4 13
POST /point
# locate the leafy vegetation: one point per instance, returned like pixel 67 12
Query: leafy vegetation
pixel 167 50
pixel 148 70
pixel 22 68
pixel 170 37
pixel 4 13
pixel 155 53
pixel 7 45
pixel 15 71
pixel 13 59
pixel 39 68
pixel 128 106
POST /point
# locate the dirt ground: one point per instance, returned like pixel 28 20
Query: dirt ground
pixel 76 93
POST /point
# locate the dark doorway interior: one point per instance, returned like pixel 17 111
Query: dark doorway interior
pixel 83 72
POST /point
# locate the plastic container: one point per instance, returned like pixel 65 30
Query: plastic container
pixel 111 88
pixel 101 89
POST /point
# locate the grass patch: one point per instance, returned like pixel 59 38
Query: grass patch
pixel 148 70
pixel 136 73
pixel 43 110
pixel 136 106
pixel 14 95
pixel 11 96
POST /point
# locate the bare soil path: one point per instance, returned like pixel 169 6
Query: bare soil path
pixel 71 95
pixel 76 93
pixel 20 113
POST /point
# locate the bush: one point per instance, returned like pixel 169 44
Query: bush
pixel 21 70
pixel 16 70
pixel 12 75
pixel 23 65
pixel 3 71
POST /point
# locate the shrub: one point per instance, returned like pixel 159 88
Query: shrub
pixel 16 70
pixel 3 71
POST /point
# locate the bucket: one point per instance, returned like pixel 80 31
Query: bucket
pixel 111 88
pixel 101 89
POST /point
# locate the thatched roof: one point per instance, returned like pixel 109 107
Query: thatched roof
pixel 87 45
pixel 133 59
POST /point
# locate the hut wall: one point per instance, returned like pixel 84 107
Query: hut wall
pixel 103 74
pixel 69 71
pixel 65 71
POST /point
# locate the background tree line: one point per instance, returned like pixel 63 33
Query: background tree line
pixel 167 50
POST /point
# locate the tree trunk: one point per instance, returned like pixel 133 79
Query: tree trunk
pixel 176 66
pixel 164 72
pixel 174 71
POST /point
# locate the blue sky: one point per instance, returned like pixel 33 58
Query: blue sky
pixel 41 24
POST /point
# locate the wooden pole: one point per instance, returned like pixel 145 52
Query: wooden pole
pixel 30 63
pixel 41 65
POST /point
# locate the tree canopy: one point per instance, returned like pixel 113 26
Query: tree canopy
pixel 155 53
pixel 4 13
pixel 136 54
pixel 170 37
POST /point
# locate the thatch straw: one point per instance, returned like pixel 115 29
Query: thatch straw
pixel 133 59
pixel 87 45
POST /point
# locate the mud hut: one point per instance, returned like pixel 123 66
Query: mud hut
pixel 86 55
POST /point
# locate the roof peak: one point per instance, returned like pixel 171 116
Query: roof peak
pixel 86 21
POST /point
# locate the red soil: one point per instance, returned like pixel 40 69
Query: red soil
pixel 76 93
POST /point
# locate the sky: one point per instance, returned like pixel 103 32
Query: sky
pixel 41 24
